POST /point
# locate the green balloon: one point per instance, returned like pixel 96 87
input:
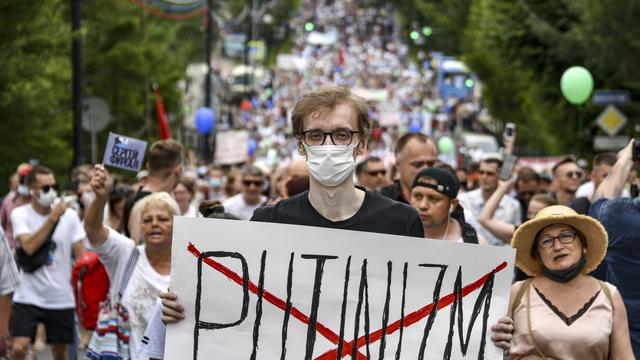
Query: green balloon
pixel 576 85
pixel 445 145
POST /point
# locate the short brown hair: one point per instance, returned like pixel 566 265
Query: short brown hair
pixel 545 199
pixel 492 160
pixel 189 184
pixel 528 174
pixel 564 160
pixel 404 140
pixel 328 98
pixel 605 158
pixel 251 170
pixel 30 180
pixel 164 155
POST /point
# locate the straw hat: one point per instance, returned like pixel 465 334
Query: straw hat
pixel 524 238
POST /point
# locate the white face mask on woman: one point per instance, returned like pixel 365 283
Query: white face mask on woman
pixel 330 165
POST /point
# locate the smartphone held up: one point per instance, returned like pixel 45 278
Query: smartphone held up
pixel 510 131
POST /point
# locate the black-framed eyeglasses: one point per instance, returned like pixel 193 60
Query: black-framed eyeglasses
pixel 338 137
pixel 566 237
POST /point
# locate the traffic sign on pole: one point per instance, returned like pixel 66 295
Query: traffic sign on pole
pixel 611 120
pixel 611 97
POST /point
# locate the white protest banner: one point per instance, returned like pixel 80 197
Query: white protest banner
pixel 124 152
pixel 272 291
pixel 231 147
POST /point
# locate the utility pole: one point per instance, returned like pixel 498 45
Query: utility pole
pixel 76 60
pixel 206 150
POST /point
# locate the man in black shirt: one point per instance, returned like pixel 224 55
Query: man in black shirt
pixel 332 127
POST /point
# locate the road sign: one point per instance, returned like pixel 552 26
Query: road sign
pixel 257 50
pixel 611 97
pixel 95 114
pixel 611 120
pixel 610 143
pixel 234 45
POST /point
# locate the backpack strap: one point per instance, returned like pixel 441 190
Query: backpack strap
pixel 516 301
pixel 606 291
pixel 128 270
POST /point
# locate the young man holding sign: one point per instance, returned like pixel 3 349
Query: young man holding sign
pixel 332 127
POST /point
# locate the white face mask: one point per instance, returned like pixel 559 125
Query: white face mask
pixel 330 165
pixel 47 198
pixel 23 190
pixel 87 198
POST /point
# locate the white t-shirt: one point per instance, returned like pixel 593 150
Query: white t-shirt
pixel 192 211
pixel 236 206
pixel 144 286
pixel 508 211
pixel 49 287
pixel 585 190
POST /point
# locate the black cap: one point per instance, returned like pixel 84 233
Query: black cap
pixel 447 183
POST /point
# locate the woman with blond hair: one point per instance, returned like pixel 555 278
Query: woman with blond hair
pixel 145 267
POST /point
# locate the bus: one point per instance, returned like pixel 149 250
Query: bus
pixel 455 80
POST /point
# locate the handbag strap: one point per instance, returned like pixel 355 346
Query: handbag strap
pixel 53 229
pixel 533 339
pixel 128 270
pixel 524 287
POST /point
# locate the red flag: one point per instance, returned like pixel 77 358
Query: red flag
pixel 163 123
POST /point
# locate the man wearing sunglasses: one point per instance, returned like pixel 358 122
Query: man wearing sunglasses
pixel 243 204
pixel 371 174
pixel 45 295
pixel 567 177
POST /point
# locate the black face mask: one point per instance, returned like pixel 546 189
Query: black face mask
pixel 567 274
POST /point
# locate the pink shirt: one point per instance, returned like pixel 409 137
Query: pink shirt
pixel 587 338
pixel 10 202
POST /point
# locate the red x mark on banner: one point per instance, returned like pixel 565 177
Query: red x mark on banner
pixel 347 347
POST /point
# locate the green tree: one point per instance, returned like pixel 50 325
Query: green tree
pixel 520 48
pixel 35 80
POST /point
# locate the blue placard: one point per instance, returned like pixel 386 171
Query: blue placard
pixel 611 97
pixel 124 152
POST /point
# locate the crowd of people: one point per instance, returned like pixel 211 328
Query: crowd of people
pixel 585 246
pixel 328 158
pixel 367 54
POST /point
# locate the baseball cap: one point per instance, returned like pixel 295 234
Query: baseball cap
pixel 446 182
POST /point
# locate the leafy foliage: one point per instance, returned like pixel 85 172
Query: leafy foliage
pixel 124 51
pixel 520 48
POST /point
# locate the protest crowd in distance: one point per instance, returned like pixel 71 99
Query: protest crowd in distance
pixel 75 259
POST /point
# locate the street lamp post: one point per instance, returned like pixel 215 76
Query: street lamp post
pixel 76 59
pixel 207 153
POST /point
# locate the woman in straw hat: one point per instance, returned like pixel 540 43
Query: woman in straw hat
pixel 563 313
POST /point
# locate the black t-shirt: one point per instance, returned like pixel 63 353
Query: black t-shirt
pixel 141 194
pixel 394 192
pixel 377 214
